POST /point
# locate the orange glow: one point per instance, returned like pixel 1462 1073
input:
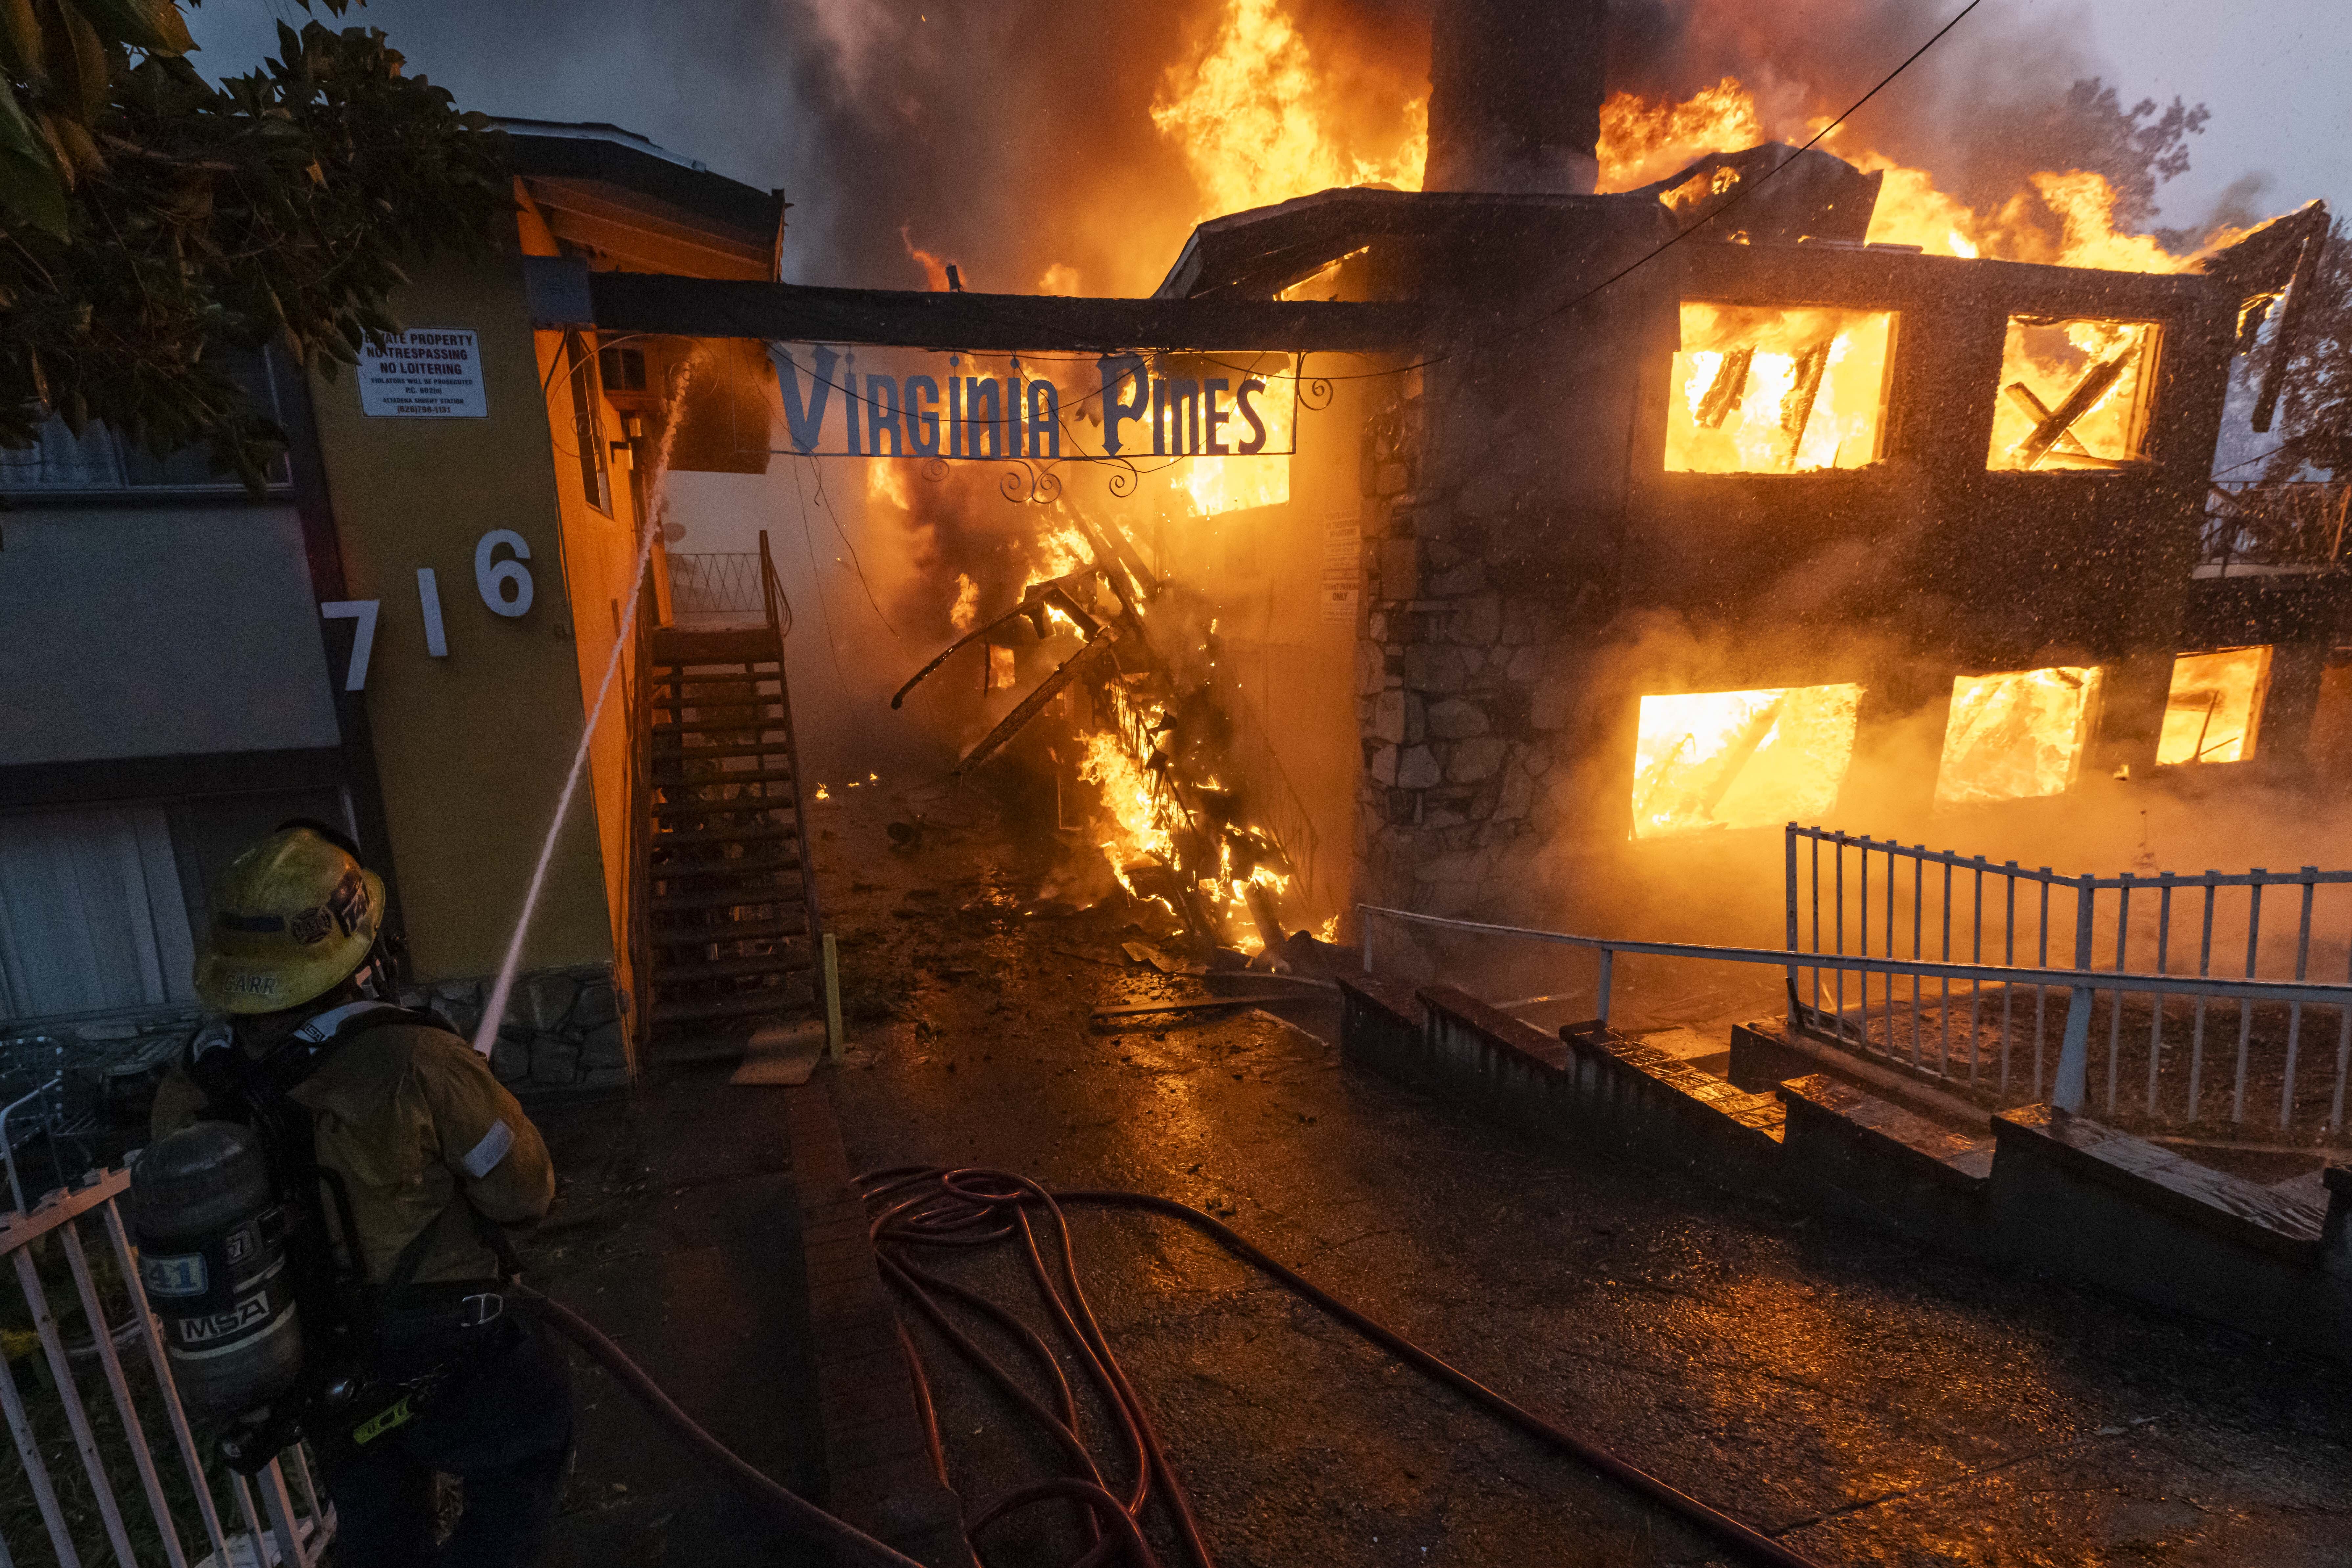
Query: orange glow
pixel 1214 485
pixel 2043 366
pixel 1741 759
pixel 1253 119
pixel 2017 735
pixel 1057 554
pixel 1765 391
pixel 1642 141
pixel 1130 795
pixel 885 482
pixel 2066 218
pixel 2214 713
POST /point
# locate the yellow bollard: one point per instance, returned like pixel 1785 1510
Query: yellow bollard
pixel 832 1001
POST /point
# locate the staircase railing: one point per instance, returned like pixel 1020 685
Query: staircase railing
pixel 779 611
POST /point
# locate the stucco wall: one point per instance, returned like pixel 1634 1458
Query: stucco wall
pixel 471 749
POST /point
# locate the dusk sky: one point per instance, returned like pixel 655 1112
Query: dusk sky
pixel 713 79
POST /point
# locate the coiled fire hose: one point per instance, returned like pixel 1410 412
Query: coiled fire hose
pixel 933 1206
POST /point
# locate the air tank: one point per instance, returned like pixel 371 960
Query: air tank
pixel 212 1255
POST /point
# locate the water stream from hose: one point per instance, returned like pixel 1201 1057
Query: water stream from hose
pixel 494 1010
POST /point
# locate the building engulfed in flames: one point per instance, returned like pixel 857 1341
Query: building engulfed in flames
pixel 1650 541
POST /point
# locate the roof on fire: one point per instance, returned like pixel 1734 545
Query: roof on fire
pixel 1260 251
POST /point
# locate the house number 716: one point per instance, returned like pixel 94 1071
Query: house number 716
pixel 504 584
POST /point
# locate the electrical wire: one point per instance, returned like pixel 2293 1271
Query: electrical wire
pixel 933 1207
pixel 1745 191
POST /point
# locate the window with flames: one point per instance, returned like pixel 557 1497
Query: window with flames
pixel 2017 735
pixel 1778 390
pixel 2214 712
pixel 2074 393
pixel 1708 760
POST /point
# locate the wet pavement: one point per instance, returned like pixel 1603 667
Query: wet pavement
pixel 676 1231
pixel 1864 1400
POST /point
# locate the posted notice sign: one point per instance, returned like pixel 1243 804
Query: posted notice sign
pixel 433 373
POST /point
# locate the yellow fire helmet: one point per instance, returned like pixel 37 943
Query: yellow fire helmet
pixel 297 914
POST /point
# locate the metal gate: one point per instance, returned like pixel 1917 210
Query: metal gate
pixel 82 1514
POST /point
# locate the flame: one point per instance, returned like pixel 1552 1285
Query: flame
pixel 966 610
pixel 1131 798
pixel 2044 364
pixel 1059 278
pixel 1059 552
pixel 1214 485
pixel 1252 118
pixel 885 482
pixel 824 794
pixel 2214 713
pixel 935 268
pixel 1741 759
pixel 2017 735
pixel 1641 141
pixel 2066 219
pixel 1811 386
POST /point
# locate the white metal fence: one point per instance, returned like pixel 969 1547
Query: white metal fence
pixel 2168 1057
pixel 76 1472
pixel 2065 998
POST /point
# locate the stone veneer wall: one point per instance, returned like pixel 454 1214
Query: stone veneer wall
pixel 564 1028
pixel 1496 483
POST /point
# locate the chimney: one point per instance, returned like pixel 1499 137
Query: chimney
pixel 1514 90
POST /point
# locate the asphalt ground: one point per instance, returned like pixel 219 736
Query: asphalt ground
pixel 1865 1400
pixel 676 1231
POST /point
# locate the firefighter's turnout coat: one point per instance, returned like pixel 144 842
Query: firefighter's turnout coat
pixel 412 1118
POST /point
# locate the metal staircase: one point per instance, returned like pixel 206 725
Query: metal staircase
pixel 730 931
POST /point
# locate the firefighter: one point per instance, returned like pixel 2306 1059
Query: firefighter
pixel 388 1132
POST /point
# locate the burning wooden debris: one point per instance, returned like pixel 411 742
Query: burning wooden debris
pixel 1155 739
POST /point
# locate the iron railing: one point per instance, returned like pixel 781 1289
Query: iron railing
pixel 142 1397
pixel 1852 893
pixel 2069 1088
pixel 1272 801
pixel 717 585
pixel 2295 525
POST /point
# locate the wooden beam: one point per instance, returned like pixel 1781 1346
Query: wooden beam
pixel 992 323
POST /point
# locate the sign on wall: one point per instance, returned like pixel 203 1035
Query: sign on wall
pixel 431 372
pixel 1342 567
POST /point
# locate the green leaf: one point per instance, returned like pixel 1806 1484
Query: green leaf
pixel 154 26
pixel 31 190
pixel 20 41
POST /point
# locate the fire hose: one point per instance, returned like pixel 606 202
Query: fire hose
pixel 929 1206
pixel 791 1510
pixel 935 1207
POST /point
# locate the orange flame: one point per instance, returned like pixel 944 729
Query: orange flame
pixel 1644 139
pixel 1741 759
pixel 1252 118
pixel 2017 735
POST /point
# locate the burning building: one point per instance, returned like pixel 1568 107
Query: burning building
pixel 1874 493
pixel 1603 526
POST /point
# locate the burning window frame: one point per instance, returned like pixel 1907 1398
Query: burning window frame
pixel 1695 422
pixel 2090 684
pixel 2250 698
pixel 2049 441
pixel 1824 737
